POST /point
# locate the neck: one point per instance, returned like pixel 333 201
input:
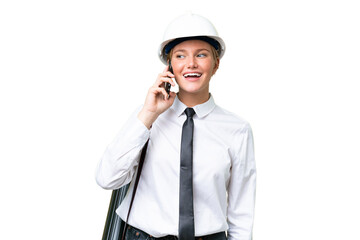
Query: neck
pixel 193 99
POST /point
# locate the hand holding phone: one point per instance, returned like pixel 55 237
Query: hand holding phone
pixel 154 103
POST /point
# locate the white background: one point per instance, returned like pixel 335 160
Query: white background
pixel 72 71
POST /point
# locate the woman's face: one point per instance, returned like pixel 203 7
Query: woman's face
pixel 193 65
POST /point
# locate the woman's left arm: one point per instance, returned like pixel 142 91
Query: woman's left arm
pixel 241 189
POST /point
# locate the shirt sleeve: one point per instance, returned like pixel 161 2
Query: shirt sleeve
pixel 120 159
pixel 241 189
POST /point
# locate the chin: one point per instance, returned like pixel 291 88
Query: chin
pixel 193 89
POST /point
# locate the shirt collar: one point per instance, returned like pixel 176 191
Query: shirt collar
pixel 201 110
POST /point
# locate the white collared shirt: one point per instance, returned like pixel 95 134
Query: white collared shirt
pixel 224 173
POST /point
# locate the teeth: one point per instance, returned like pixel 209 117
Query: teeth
pixel 192 75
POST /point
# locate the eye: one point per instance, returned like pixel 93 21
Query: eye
pixel 201 55
pixel 179 56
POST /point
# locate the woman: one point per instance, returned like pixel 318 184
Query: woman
pixel 206 192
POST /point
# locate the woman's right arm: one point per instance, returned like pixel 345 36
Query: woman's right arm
pixel 120 160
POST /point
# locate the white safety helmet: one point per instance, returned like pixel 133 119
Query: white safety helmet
pixel 190 26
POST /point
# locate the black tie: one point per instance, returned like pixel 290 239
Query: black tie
pixel 186 213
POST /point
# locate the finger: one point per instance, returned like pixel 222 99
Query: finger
pixel 162 91
pixel 162 79
pixel 167 74
pixel 167 71
pixel 167 79
pixel 159 90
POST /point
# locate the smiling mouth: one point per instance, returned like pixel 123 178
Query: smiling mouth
pixel 192 75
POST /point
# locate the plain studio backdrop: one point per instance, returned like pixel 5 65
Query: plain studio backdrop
pixel 72 71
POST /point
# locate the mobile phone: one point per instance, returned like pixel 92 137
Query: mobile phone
pixel 168 85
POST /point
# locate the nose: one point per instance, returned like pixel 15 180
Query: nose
pixel 192 62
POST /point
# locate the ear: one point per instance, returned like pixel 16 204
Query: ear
pixel 216 66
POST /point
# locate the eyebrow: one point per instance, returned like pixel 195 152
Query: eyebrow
pixel 198 50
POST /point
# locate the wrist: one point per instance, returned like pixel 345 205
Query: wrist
pixel 147 117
